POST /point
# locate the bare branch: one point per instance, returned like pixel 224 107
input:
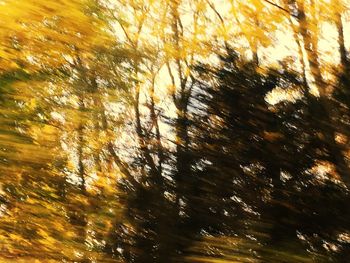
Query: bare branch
pixel 281 8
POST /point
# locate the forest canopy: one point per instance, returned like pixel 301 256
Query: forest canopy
pixel 174 131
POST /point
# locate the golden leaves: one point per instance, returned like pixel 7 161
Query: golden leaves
pixel 45 33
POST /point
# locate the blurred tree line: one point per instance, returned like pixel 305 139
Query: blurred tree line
pixel 174 131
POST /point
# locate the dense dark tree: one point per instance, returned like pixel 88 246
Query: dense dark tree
pixel 264 157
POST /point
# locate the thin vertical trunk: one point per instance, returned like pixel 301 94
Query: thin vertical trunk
pixel 255 44
pixel 344 61
pixel 142 137
pixel 310 40
pixel 300 48
pixel 100 124
pixel 81 127
pixel 155 123
pixel 81 169
pixel 140 131
pixel 181 104
pixel 78 216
